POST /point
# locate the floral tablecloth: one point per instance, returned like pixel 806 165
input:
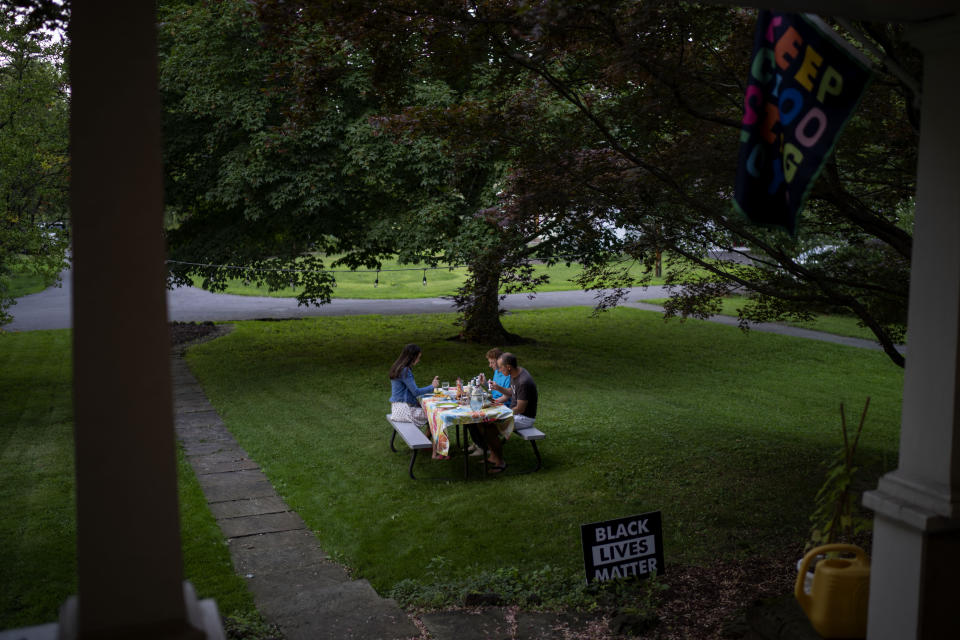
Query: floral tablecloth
pixel 441 415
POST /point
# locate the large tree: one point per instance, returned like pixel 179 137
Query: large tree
pixel 263 182
pixel 656 93
pixel 245 187
pixel 451 89
pixel 285 146
pixel 34 169
pixel 532 131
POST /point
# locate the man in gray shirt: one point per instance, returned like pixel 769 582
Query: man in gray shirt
pixel 523 391
pixel 523 401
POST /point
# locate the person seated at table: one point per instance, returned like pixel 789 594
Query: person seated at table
pixel 523 391
pixel 524 404
pixel 404 390
pixel 500 382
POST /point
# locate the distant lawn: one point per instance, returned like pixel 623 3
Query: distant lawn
pixel 37 523
pixel 839 325
pixel 23 281
pixel 24 284
pixel 406 281
pixel 721 431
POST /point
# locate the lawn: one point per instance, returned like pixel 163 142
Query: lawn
pixel 723 432
pixel 37 527
pixel 23 281
pixel 406 281
pixel 839 325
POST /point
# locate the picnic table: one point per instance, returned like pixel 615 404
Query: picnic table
pixel 444 412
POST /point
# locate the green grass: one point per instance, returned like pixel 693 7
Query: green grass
pixel 38 522
pixel 839 325
pixel 23 281
pixel 36 477
pixel 206 557
pixel 723 432
pixel 406 281
pixel 23 284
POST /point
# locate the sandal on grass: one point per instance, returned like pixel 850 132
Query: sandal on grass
pixel 497 468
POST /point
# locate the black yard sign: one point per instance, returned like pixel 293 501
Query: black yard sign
pixel 630 547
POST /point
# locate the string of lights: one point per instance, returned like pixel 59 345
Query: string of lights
pixel 240 268
pixel 450 267
pixel 376 282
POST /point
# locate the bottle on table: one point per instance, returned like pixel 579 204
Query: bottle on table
pixel 476 398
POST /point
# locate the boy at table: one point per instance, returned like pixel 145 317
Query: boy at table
pixel 498 381
pixel 523 400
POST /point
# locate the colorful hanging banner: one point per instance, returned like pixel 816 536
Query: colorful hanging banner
pixel 803 87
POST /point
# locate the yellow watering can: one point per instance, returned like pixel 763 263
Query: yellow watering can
pixel 837 602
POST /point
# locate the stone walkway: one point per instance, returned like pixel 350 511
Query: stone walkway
pixel 294 584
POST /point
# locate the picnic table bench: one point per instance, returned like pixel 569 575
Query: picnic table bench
pixel 531 435
pixel 412 435
pixel 416 440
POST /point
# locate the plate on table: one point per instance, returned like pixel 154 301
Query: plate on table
pixel 445 404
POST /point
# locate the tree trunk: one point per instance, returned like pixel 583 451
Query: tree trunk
pixel 479 303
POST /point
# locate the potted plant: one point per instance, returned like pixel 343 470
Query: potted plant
pixel 836 601
pixel 837 517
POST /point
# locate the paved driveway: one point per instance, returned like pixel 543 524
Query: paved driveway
pixel 50 309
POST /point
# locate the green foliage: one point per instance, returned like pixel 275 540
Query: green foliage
pixel 625 115
pixel 488 134
pixel 33 156
pixel 283 138
pixel 838 517
pixel 250 627
pixel 423 134
pixel 548 587
pixel 261 180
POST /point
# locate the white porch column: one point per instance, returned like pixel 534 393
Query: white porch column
pixel 916 540
pixel 128 538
